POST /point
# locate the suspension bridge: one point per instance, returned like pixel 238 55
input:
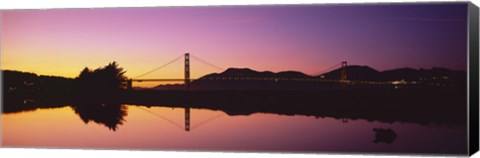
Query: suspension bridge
pixel 185 75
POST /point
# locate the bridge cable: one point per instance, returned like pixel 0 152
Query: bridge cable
pixel 207 63
pixel 160 67
pixel 207 121
pixel 328 69
pixel 160 116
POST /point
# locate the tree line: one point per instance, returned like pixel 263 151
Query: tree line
pixel 100 82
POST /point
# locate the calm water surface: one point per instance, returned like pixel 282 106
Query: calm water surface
pixel 163 128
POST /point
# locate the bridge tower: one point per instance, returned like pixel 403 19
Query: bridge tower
pixel 344 71
pixel 187 88
pixel 187 119
pixel 187 71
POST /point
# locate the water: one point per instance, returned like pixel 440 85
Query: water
pixel 163 128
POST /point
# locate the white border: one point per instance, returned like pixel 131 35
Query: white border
pixel 76 153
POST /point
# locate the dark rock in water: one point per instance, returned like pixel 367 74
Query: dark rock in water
pixel 387 136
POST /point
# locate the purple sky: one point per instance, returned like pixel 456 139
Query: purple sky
pixel 307 38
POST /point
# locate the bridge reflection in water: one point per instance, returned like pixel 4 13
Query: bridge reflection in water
pixel 171 115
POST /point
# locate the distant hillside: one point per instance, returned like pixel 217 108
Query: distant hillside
pixel 227 79
pixel 407 74
pixel 246 72
pixel 24 88
pixel 354 73
pixel 15 81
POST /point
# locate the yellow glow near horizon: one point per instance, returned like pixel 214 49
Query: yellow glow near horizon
pixel 66 68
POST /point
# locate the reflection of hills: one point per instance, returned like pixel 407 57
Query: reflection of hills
pixel 418 106
pixel 413 106
pixel 108 113
pixel 111 113
pixel 228 79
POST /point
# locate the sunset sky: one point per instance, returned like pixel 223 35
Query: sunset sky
pixel 308 38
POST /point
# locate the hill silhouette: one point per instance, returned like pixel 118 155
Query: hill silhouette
pixel 408 74
pixel 26 83
pixel 355 73
pixel 246 72
pixel 237 79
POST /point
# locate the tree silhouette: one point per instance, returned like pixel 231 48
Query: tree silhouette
pixel 110 114
pixel 102 82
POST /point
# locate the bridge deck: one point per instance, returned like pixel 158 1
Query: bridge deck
pixel 268 79
pixel 158 80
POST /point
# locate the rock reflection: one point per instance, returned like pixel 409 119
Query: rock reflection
pixel 387 136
